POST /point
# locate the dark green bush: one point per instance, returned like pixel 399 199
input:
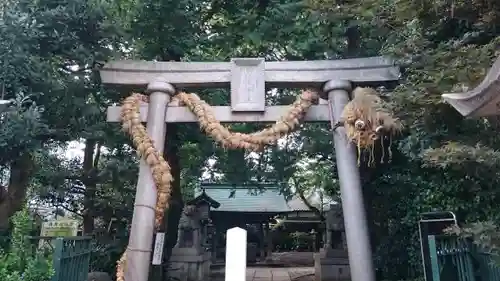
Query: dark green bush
pixel 21 262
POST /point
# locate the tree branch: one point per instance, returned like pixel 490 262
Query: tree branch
pixel 302 197
pixel 74 211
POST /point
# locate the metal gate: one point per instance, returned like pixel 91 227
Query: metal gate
pixel 457 259
pixel 72 258
pixel 432 223
pixel 70 255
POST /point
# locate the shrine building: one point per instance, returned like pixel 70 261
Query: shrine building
pixel 257 209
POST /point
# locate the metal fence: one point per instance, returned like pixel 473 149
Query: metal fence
pixel 71 256
pixel 454 259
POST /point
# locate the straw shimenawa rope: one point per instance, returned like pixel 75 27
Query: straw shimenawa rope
pixel 366 118
pixel 131 123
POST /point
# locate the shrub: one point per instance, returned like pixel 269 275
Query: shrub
pixel 21 262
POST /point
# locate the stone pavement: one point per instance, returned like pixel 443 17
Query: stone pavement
pixel 278 274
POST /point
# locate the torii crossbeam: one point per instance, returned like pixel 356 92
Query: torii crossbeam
pixel 248 79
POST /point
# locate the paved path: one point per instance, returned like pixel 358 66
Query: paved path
pixel 277 274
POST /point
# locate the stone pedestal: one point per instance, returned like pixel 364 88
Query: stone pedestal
pixel 332 265
pixel 190 264
pixel 332 262
pixel 189 261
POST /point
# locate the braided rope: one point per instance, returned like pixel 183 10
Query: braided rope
pixel 131 123
pixel 366 118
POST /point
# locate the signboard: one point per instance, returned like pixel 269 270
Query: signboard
pixel 158 251
pixel 57 228
pixel 60 228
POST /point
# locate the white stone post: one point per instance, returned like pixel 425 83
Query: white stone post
pixel 356 228
pixel 142 230
pixel 236 254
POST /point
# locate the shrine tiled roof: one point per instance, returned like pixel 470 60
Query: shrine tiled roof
pixel 251 199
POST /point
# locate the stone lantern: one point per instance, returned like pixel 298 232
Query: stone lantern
pixel 204 203
pixel 204 211
pixel 191 258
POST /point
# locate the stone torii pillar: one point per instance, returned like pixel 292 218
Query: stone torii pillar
pixel 356 227
pixel 139 248
pixel 248 78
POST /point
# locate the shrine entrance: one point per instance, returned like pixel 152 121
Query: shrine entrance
pixel 240 207
pixel 331 80
pixel 258 209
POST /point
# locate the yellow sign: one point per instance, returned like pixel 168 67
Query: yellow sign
pixel 59 228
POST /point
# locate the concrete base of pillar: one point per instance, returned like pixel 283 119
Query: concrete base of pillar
pixel 189 264
pixel 332 265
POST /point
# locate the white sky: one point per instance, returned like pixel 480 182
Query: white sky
pixel 75 149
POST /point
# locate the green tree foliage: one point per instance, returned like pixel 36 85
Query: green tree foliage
pixel 442 47
pixel 20 127
pixel 51 51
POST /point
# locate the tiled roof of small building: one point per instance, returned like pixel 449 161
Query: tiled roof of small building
pixel 252 199
pixel 244 198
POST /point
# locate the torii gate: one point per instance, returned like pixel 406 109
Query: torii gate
pixel 248 78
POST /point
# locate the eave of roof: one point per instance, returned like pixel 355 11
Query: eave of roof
pixel 483 100
pixel 246 198
pixel 265 198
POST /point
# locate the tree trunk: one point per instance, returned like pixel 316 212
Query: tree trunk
pixel 366 174
pixel 353 35
pixel 373 216
pixel 171 154
pixel 173 214
pixel 21 171
pixel 90 160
